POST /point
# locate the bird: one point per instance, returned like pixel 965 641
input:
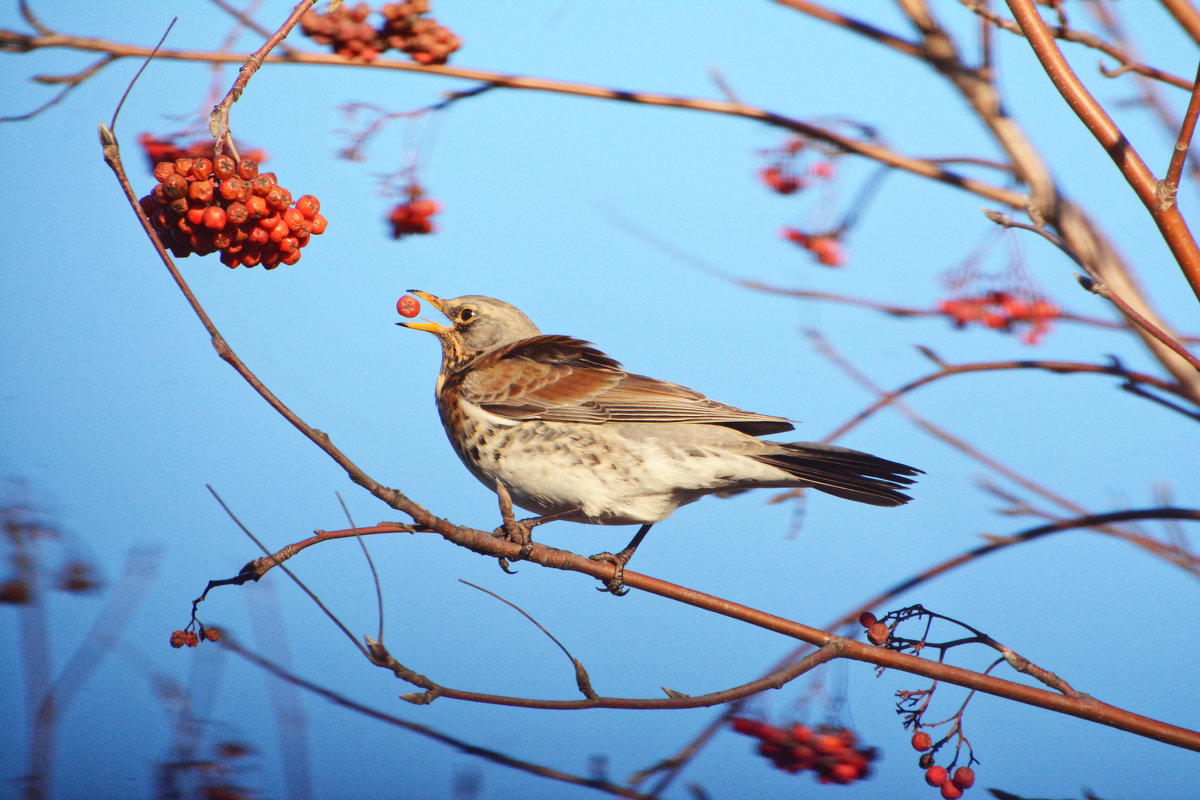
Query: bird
pixel 565 432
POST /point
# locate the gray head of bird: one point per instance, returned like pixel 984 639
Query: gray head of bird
pixel 478 324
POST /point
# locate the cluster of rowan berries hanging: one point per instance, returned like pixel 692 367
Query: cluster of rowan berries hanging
pixel 189 637
pixel 1003 311
pixel 413 215
pixel 202 206
pixel 952 785
pixel 169 149
pixel 785 175
pixel 828 751
pixel 405 28
pixel 825 247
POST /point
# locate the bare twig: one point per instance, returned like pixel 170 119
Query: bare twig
pixel 1170 222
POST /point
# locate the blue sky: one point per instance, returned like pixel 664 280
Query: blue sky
pixel 116 412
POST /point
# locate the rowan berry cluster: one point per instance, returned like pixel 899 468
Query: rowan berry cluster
pixel 828 751
pixel 825 247
pixel 413 216
pixel 1003 311
pixel 953 785
pixel 203 205
pixel 405 28
pixel 158 150
pixel 784 175
pixel 189 637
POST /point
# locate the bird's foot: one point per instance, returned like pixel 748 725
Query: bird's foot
pixel 616 584
pixel 517 532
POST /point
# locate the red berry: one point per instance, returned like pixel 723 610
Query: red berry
pixel 950 791
pixel 878 633
pixel 935 775
pixel 802 733
pixel 319 223
pixel 843 772
pixel 224 167
pixel 308 206
pixel 163 169
pixel 827 743
pixel 214 218
pixel 921 741
pixel 247 169
pixel 178 638
pixel 291 258
pixel 191 639
pixel 237 213
pixel 212 634
pixel 964 777
pixel 202 169
pixel 410 307
pixel 867 619
pixel 183 166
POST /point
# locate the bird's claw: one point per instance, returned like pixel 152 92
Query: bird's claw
pixel 616 584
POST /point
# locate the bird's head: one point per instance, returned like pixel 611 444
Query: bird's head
pixel 477 324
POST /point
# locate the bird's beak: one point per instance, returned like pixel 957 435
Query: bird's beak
pixel 427 325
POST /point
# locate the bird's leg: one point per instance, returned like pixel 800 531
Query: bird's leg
pixel 516 532
pixel 519 531
pixel 616 584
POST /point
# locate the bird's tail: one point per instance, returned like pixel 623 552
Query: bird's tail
pixel 844 473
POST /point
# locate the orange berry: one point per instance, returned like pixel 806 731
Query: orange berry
pixel 319 224
pixel 224 167
pixel 308 205
pixel 921 741
pixel 258 236
pixel 237 213
pixel 191 639
pixel 950 791
pixel 878 633
pixel 178 638
pixel 214 218
pixel 935 775
pixel 291 258
pixel 163 169
pixel 247 169
pixel 212 634
pixel 183 166
pixel 827 744
pixel 195 215
pixel 262 183
pixel 802 733
pixel 202 169
pixel 409 306
pixel 843 772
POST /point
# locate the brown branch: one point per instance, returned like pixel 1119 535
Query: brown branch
pixel 867 149
pixel 826 652
pixel 1179 154
pixel 1055 367
pixel 1104 290
pixel 1094 521
pixel 1091 40
pixel 1166 215
pixel 854 26
pixel 493 756
pixel 218 122
pixel 1186 15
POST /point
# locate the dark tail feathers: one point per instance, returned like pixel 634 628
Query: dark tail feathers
pixel 845 473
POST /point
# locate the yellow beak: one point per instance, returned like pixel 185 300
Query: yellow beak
pixel 427 325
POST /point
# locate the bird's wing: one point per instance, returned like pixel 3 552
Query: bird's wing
pixel 560 379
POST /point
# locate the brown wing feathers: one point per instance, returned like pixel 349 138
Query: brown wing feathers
pixel 562 379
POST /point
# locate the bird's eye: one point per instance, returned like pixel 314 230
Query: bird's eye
pixel 466 315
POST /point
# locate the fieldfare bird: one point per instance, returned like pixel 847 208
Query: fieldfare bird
pixel 571 435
